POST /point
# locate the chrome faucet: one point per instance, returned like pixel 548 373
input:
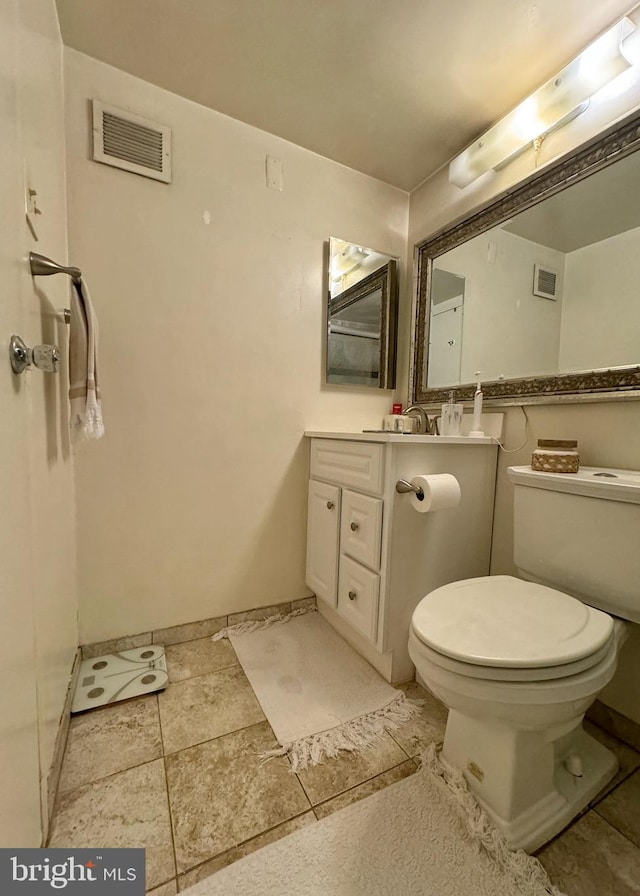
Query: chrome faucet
pixel 428 427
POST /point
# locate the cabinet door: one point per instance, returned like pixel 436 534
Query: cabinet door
pixel 323 531
pixel 361 529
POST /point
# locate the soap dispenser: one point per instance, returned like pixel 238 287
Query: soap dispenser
pixel 476 431
pixel 451 418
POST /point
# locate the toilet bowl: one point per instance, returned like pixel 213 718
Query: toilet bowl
pixel 518 663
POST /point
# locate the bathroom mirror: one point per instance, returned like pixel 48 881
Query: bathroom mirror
pixel 540 289
pixel 361 316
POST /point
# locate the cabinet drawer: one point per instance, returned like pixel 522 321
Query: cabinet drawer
pixel 361 528
pixel 358 591
pixel 356 464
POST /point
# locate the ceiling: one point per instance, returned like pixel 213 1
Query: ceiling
pixel 392 88
pixel 592 210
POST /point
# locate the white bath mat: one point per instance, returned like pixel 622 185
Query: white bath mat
pixel 319 695
pixel 119 676
pixel 425 836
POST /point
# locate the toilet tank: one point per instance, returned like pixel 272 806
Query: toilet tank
pixel 580 533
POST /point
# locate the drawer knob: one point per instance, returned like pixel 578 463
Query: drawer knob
pixel 352 595
pixel 354 527
pixel 330 505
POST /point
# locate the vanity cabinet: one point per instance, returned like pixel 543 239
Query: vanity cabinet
pixel 344 530
pixel 370 556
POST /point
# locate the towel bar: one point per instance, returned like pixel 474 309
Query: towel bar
pixel 41 266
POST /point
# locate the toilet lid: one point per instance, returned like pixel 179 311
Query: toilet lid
pixel 503 621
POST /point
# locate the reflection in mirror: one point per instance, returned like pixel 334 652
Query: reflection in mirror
pixel 445 330
pixel 361 316
pixel 541 296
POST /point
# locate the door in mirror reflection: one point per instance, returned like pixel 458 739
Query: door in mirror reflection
pixel 361 316
pixel 445 329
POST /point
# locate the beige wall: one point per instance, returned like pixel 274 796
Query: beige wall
pixel 194 504
pixel 37 570
pixel 608 432
pixel 601 284
pixel 498 303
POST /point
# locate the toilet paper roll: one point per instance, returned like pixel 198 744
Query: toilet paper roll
pixel 439 491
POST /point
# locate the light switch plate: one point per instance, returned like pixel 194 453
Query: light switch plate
pixel 274 173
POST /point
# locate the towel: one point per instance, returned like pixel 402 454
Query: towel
pixel 84 392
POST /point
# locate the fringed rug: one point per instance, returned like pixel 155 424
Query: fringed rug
pixel 318 694
pixel 425 836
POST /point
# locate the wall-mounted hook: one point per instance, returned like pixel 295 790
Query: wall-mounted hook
pixel 44 357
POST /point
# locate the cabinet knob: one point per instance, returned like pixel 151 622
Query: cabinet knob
pixel 354 527
pixel 330 505
pixel 352 595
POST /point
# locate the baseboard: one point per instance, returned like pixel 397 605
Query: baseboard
pixel 53 777
pixel 189 631
pixel 615 723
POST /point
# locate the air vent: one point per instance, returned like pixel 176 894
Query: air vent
pixel 130 142
pixel 545 282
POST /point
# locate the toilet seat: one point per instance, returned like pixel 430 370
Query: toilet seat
pixel 510 674
pixel 517 687
pixel 504 628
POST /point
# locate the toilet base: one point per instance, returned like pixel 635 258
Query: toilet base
pixel 532 801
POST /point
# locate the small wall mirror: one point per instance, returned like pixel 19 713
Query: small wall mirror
pixel 361 316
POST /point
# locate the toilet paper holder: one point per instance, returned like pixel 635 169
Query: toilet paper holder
pixel 403 487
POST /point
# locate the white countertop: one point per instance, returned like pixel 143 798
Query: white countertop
pixel 400 438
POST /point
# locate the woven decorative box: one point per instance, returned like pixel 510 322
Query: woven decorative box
pixel 556 456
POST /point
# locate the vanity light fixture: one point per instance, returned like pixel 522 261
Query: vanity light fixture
pixel 350 258
pixel 554 104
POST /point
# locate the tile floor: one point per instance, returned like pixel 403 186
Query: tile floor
pixel 178 774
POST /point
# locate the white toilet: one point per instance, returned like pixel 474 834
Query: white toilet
pixel 519 662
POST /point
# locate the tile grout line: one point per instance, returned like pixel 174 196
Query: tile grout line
pixel 59 793
pixel 244 842
pixel 120 771
pixel 613 827
pixel 304 789
pixel 597 800
pixel 165 756
pixel 406 752
pixel 209 740
pixel 63 793
pixel 166 784
pixel 366 781
pixel 266 830
pixel 202 674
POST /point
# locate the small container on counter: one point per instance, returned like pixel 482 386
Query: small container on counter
pixel 400 423
pixel 556 456
pixel 451 418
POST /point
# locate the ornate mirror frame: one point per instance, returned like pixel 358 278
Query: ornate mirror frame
pixel 614 144
pixel 385 281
